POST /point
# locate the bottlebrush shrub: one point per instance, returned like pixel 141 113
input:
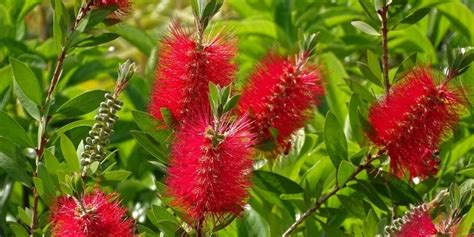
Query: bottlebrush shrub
pixel 210 167
pixel 416 223
pixel 95 214
pixel 279 95
pixel 411 121
pixel 185 68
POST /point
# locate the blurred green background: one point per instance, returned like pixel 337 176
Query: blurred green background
pixel 433 28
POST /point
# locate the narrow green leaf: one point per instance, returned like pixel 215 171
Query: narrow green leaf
pixel 12 163
pixel 344 171
pixel 364 27
pixel 150 145
pixel 26 80
pixel 52 164
pixel 82 104
pixel 231 103
pixel 69 153
pixel 25 215
pixel 416 16
pixel 336 144
pixel 374 64
pixel 370 224
pixel 97 40
pixel 167 117
pixel 275 183
pixel 117 175
pixel 151 126
pixel 368 74
pixel 30 107
pixel 13 131
pixel 18 230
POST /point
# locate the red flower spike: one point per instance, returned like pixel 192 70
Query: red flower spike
pixel 96 214
pixel 417 224
pixel 209 178
pixel 123 7
pixel 412 120
pixel 279 96
pixel 185 69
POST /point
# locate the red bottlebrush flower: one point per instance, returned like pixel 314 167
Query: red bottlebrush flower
pixel 96 214
pixel 279 96
pixel 411 121
pixel 417 223
pixel 185 69
pixel 211 167
pixel 123 7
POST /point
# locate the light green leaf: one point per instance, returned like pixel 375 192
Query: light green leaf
pixel 82 104
pixel 69 153
pixel 345 170
pixel 27 81
pixel 364 27
pixel 13 131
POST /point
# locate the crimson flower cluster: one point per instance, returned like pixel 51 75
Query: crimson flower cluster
pixel 279 95
pixel 208 177
pixel 185 68
pixel 95 214
pixel 411 121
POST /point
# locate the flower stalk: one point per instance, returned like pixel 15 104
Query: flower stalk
pixel 99 135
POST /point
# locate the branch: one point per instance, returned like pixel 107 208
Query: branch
pixel 326 196
pixel 383 13
pixel 44 120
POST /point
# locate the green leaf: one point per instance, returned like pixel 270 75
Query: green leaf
pixel 18 230
pixel 364 27
pixel 374 64
pixel 97 40
pixel 167 117
pixel 231 103
pixel 26 80
pixel 151 126
pixel 30 107
pixel 117 175
pixel 275 183
pixel 135 36
pixel 12 163
pixel 82 104
pixel 408 63
pixel 416 16
pixel 25 215
pixel 400 192
pixel 150 145
pixel 163 220
pixel 344 172
pixel 60 23
pixel 95 17
pixel 336 144
pixel 369 74
pixel 52 164
pixel 69 153
pixel 370 224
pixel 13 131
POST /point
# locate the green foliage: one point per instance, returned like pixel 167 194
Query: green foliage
pixel 325 153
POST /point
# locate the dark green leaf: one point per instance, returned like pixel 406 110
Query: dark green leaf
pixel 150 145
pixel 275 183
pixel 374 64
pixel 416 16
pixel 30 107
pixel 336 144
pixel 13 131
pixel 151 126
pixel 12 163
pixel 97 40
pixel 82 104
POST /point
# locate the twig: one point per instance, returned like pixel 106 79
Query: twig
pixel 326 196
pixel 383 13
pixel 44 120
